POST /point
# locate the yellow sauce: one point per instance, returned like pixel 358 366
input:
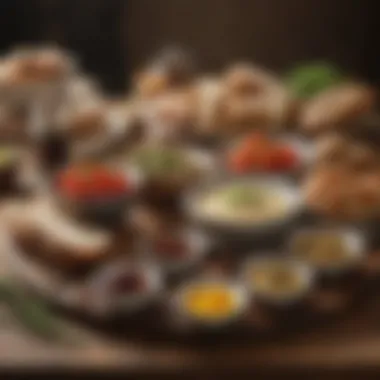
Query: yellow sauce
pixel 210 302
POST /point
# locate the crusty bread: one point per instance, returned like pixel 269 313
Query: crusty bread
pixel 208 93
pixel 337 106
pixel 62 240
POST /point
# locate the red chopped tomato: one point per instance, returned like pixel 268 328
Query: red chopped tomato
pixel 95 182
pixel 283 158
pixel 258 153
pixel 240 162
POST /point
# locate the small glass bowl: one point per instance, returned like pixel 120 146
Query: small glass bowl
pixel 124 287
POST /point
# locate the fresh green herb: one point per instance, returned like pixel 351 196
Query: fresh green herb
pixel 30 312
pixel 308 80
pixel 241 196
pixel 7 156
pixel 161 161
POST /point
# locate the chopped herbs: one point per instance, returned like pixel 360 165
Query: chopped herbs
pixel 162 161
pixel 244 196
pixel 308 80
pixel 30 312
pixel 7 156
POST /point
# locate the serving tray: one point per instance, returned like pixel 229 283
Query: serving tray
pixel 330 299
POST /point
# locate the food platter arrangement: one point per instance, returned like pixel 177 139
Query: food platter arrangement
pixel 235 203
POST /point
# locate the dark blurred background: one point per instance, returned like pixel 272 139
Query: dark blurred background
pixel 113 37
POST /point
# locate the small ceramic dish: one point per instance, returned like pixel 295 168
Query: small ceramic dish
pixel 124 287
pixel 290 155
pixel 99 205
pixel 169 171
pixel 211 302
pixel 178 250
pixel 330 251
pixel 280 281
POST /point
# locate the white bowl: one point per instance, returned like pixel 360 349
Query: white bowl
pixel 197 244
pixel 303 271
pixel 353 239
pixel 106 304
pixel 291 195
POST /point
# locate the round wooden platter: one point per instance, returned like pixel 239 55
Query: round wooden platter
pixel 330 300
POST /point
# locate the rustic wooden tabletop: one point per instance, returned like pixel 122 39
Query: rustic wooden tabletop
pixel 353 343
pixel 347 344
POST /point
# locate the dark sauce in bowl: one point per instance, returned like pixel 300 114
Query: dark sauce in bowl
pixel 128 284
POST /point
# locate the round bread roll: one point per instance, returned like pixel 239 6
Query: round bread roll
pixel 244 98
pixel 170 70
pixel 246 79
pixel 208 93
pixel 255 98
pixel 41 65
pixel 170 117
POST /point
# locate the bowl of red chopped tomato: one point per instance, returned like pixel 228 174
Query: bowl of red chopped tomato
pixel 95 192
pixel 261 153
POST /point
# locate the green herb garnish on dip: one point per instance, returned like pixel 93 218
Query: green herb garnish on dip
pixel 240 196
pixel 308 80
pixel 162 161
pixel 7 156
pixel 242 203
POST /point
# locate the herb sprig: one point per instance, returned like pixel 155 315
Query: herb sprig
pixel 308 80
pixel 31 312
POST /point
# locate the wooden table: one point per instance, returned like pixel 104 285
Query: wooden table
pixel 353 344
pixel 346 346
